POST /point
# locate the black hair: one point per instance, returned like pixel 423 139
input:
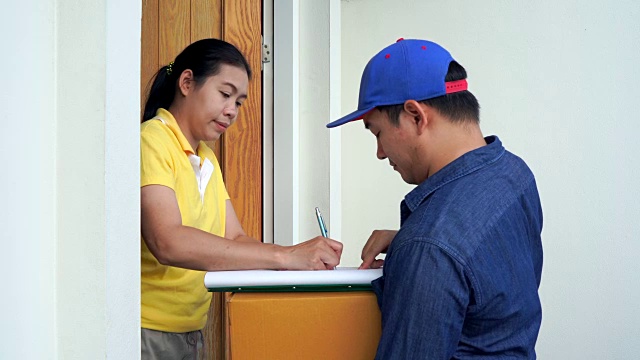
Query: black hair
pixel 203 58
pixel 457 107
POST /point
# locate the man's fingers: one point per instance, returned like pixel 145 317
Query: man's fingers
pixel 366 263
pixel 371 264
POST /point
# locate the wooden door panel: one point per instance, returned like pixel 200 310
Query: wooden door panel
pixel 207 19
pixel 149 48
pixel 174 29
pixel 242 150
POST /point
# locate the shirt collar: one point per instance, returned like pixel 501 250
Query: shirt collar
pixel 167 118
pixel 464 165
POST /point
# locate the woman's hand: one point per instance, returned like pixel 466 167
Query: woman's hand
pixel 319 253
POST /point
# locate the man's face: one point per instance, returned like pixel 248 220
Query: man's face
pixel 394 143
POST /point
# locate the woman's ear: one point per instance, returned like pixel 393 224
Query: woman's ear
pixel 418 114
pixel 185 82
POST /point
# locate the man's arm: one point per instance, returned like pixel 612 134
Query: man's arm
pixel 424 302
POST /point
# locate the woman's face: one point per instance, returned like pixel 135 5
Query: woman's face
pixel 214 105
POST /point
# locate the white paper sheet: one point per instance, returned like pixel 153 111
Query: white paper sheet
pixel 244 278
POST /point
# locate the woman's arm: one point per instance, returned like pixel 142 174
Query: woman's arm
pixel 183 246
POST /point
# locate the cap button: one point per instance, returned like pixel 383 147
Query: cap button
pixel 400 39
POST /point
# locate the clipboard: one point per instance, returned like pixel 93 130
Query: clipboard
pixel 340 279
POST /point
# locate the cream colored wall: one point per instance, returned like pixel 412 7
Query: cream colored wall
pixel 314 110
pixel 306 95
pixel 70 207
pixel 557 81
pixel 80 196
pixel 122 189
pixel 27 181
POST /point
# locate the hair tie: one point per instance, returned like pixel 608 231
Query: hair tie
pixel 170 68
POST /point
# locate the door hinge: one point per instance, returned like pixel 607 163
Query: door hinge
pixel 266 52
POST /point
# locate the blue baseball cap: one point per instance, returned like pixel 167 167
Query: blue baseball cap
pixel 405 70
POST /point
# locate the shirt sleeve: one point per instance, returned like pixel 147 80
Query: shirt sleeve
pixel 156 163
pixel 425 295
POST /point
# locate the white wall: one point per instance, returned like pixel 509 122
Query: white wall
pixel 314 106
pixel 306 59
pixel 557 81
pixel 122 185
pixel 27 181
pixel 80 196
pixel 70 208
pixel 286 121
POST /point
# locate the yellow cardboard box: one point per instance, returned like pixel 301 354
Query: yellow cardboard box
pixel 303 325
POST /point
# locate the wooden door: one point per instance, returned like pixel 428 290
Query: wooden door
pixel 168 26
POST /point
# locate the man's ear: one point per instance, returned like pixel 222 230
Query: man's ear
pixel 185 82
pixel 418 114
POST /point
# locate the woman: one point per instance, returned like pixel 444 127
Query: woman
pixel 188 222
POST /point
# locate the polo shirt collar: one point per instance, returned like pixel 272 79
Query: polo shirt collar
pixel 167 118
pixel 466 164
pixel 203 169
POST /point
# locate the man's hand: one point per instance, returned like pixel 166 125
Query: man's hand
pixel 319 253
pixel 377 244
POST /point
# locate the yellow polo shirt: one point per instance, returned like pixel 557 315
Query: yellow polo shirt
pixel 175 299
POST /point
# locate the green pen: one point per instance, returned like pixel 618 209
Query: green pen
pixel 323 228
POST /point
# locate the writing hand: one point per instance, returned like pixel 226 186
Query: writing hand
pixel 319 253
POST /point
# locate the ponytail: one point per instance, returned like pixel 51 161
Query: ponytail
pixel 203 58
pixel 160 94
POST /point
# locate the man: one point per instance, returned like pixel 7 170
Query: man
pixel 461 276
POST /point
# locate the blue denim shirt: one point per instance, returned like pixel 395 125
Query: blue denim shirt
pixel 461 277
